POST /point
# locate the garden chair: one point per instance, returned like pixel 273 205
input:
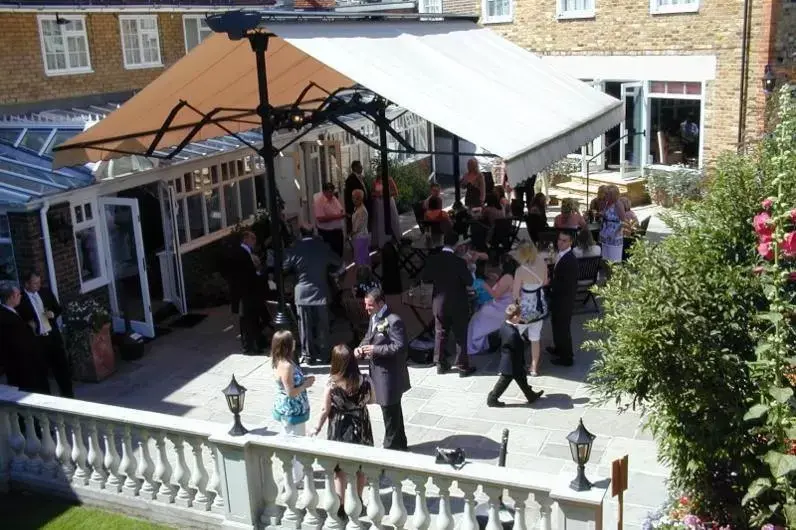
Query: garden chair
pixel 588 270
pixel 478 236
pixel 502 236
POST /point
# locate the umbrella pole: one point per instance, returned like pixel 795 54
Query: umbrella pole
pixel 457 185
pixel 259 43
pixel 385 167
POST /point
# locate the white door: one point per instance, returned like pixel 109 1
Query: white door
pixel 171 263
pixel 632 148
pixel 126 265
pixel 288 185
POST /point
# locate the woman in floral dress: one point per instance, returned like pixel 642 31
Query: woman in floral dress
pixel 611 238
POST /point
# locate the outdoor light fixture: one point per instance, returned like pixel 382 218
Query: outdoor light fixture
pixel 235 395
pixel 580 441
pixel 60 21
pixel 769 80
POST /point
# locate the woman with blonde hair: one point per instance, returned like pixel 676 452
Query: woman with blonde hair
pixel 529 282
pixel 569 218
pixel 611 238
pixel 360 237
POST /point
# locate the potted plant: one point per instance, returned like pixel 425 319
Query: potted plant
pixel 87 337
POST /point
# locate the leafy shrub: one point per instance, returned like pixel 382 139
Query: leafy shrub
pixel 668 187
pixel 411 180
pixel 82 318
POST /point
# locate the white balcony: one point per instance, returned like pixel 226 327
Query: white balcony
pixel 192 474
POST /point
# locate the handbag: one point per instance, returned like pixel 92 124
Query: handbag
pixel 453 457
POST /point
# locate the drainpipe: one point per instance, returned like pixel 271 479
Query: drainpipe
pixel 745 38
pixel 48 248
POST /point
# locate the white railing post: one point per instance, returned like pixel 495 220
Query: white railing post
pixel 578 510
pixel 111 460
pixel 331 502
pixel 398 515
pixel 469 521
pixel 63 450
pixel 47 448
pixel 98 475
pixel 309 497
pixel 5 450
pixel 32 445
pixel 163 470
pixel 375 511
pixel 79 454
pixel 421 518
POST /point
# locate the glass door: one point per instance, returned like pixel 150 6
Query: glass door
pixel 172 262
pixel 632 147
pixel 130 302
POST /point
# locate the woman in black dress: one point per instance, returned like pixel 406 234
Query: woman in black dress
pixel 345 401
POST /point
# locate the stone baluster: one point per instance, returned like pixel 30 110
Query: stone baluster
pixel 82 474
pixel 309 497
pixel 98 475
pixel 128 465
pixel 214 484
pixel 112 460
pixel 398 514
pixel 493 522
pixel 444 519
pixel 292 516
pixel 149 488
pixel 421 519
pixel 50 467
pixel 63 451
pixel 330 502
pixel 469 521
pixel 198 481
pixel 353 504
pixel 32 444
pixel 163 470
pixel 272 514
pixel 375 511
pixel 5 450
pixel 181 473
pixel 545 511
pixel 520 498
pixel 19 461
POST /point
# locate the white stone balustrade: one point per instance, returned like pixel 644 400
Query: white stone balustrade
pixel 191 473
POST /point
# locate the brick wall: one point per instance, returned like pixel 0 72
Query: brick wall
pixel 62 241
pixel 28 244
pixel 28 82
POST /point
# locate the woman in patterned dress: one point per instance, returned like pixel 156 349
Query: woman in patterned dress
pixel 528 290
pixel 611 238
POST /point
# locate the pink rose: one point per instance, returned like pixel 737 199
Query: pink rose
pixel 792 276
pixel 767 203
pixel 766 250
pixel 762 224
pixel 793 215
pixel 789 245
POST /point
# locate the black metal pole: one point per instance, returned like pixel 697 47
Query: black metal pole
pixel 504 448
pixel 457 186
pixel 385 167
pixel 259 43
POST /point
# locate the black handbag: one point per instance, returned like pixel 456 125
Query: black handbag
pixel 453 457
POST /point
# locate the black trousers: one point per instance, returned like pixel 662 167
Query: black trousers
pixel 560 320
pixel 503 382
pixel 250 330
pixel 394 431
pixel 444 324
pixel 57 363
pixel 314 332
pixel 333 238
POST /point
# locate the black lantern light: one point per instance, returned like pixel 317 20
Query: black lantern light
pixel 769 80
pixel 235 395
pixel 580 441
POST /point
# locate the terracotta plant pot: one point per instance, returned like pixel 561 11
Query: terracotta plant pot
pixel 94 359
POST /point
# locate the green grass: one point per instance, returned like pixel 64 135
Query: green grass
pixel 21 511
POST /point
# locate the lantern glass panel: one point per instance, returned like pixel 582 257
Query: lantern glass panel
pixel 234 404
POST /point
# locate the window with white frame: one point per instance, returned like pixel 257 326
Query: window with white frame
pixel 430 6
pixel 8 267
pixel 140 41
pixel 85 225
pixel 196 30
pixel 64 44
pixel 211 199
pixel 676 123
pixel 496 11
pixel 673 6
pixel 575 9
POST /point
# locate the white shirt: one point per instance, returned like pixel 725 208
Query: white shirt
pixel 245 247
pixel 38 306
pixel 448 249
pixel 590 252
pixel 561 254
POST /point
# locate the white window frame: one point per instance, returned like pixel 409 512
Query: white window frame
pixel 102 279
pixel 563 14
pixel 64 33
pixel 498 19
pixel 657 9
pixel 139 35
pixel 199 20
pixel 429 6
pixel 692 97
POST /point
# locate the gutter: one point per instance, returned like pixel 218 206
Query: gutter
pixel 48 248
pixel 145 9
pixel 744 88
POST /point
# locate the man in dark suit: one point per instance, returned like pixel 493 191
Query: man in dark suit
pixel 310 259
pixel 450 304
pixel 385 346
pixel 20 354
pixel 355 181
pixel 563 289
pixel 39 309
pixel 246 292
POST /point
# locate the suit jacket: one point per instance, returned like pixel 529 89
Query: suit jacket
pixel 564 285
pixel 21 354
pixel 28 313
pixel 310 259
pixel 451 278
pixel 512 351
pixel 388 363
pixel 244 284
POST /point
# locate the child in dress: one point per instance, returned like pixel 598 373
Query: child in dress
pixel 482 294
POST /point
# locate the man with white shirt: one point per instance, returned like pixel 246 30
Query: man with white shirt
pixel 330 218
pixel 39 308
pixel 563 289
pixel 20 354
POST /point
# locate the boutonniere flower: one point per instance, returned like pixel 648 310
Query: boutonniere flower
pixel 382 326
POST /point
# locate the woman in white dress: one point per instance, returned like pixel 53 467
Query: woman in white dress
pixel 528 291
pixel 586 248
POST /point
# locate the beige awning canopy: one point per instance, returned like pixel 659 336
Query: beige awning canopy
pixel 454 73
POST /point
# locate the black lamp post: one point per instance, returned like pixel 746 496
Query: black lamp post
pixel 769 80
pixel 580 441
pixel 235 395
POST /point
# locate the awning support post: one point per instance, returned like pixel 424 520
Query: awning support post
pixel 259 43
pixel 457 186
pixel 385 168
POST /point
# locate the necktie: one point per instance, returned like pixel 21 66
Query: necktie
pixel 43 320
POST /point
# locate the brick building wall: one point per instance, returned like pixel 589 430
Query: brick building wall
pixel 29 82
pixel 626 27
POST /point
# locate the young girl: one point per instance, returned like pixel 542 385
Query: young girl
pixel 345 401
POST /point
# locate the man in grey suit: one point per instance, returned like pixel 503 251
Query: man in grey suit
pixel 385 346
pixel 310 259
